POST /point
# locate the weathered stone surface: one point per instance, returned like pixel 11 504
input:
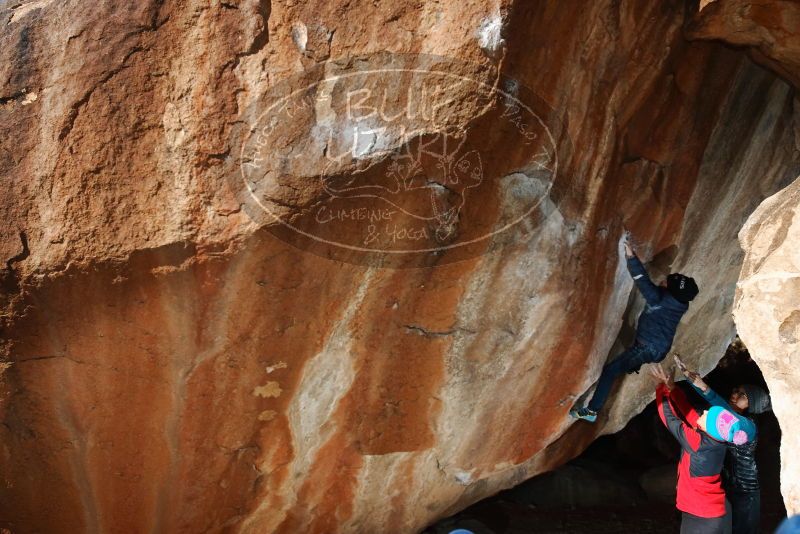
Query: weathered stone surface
pixel 768 28
pixel 766 306
pixel 176 367
pixel 767 314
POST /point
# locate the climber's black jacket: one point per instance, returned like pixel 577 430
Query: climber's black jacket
pixel 662 313
pixel 741 472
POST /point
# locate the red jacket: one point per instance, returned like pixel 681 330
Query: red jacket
pixel 700 490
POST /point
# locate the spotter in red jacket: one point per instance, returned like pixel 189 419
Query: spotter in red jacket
pixel 700 490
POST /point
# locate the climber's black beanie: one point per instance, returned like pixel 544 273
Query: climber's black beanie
pixel 682 287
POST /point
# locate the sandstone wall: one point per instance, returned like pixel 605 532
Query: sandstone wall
pixel 176 366
pixel 768 316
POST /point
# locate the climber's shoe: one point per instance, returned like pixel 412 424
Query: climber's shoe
pixel 584 413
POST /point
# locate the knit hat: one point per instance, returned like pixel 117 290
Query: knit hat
pixel 682 287
pixel 758 400
pixel 724 425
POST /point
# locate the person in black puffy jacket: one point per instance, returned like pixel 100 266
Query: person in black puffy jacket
pixel 665 305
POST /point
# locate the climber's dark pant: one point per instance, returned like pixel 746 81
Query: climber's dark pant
pixel 628 362
pixel 746 511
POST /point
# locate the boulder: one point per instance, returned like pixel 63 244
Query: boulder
pixel 767 314
pixel 344 266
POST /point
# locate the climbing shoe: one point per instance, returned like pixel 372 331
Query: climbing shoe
pixel 584 413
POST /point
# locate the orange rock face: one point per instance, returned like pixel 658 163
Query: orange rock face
pixel 201 332
pixel 767 28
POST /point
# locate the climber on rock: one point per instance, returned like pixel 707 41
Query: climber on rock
pixel 665 305
pixel 700 496
pixel 740 475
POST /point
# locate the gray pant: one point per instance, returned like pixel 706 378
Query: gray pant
pixel 692 524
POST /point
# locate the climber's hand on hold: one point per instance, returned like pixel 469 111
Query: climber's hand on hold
pixel 661 376
pixel 626 242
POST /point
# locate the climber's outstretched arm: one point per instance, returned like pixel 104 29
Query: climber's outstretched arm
pixel 639 274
